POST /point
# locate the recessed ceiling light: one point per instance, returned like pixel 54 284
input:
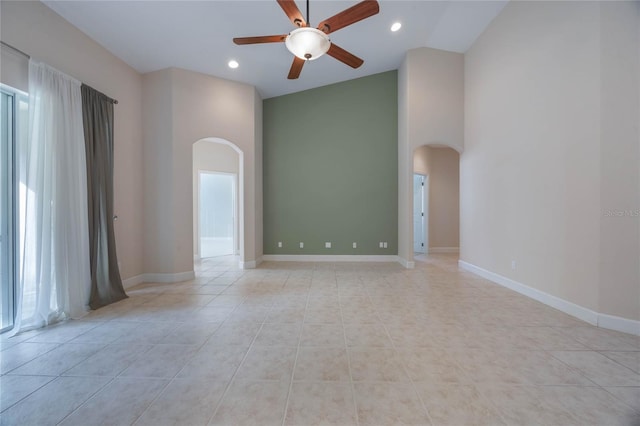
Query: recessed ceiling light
pixel 396 26
pixel 233 64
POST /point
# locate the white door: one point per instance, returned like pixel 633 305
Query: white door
pixel 217 214
pixel 419 214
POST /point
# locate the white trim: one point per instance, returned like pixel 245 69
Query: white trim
pixel 436 250
pixel 133 281
pixel 619 324
pixel 251 264
pixel 409 264
pixel 594 318
pixel 168 278
pixel 328 258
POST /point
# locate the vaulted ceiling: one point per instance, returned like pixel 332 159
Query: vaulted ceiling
pixel 197 35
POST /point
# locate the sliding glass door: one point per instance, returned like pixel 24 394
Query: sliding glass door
pixel 7 211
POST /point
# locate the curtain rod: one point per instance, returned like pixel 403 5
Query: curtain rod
pixel 115 101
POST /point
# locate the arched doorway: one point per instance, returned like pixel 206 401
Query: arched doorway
pixel 217 168
pixel 436 221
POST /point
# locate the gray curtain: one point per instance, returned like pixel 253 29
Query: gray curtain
pixel 97 115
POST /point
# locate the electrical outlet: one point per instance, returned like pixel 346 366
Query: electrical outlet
pixel 327 245
pixel 301 244
pixel 280 244
pixel 355 245
pixel 513 265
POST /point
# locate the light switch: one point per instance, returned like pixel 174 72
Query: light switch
pixel 327 245
pixel 355 245
pixel 381 244
pixel 301 244
pixel 385 245
pixel 280 244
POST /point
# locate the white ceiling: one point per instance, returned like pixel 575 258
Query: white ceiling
pixel 197 35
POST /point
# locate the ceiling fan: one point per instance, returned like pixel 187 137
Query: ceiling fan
pixel 308 43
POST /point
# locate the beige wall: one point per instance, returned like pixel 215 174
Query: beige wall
pixel 551 142
pixel 195 106
pixel 619 290
pixel 38 31
pixel 430 112
pixel 444 196
pixel 211 156
pixel 442 167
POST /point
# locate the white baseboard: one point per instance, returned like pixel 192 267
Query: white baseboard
pixel 619 324
pixel 436 250
pixel 251 264
pixel 168 278
pixel 409 264
pixel 594 318
pixel 328 258
pixel 133 281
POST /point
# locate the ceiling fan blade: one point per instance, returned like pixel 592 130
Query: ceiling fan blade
pixel 260 39
pixel 292 11
pixel 296 67
pixel 356 13
pixel 343 56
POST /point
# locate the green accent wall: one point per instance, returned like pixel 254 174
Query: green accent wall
pixel 331 168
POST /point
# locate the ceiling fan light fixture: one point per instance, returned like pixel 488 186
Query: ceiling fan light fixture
pixel 308 43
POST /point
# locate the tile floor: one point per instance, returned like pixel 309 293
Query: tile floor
pixel 315 343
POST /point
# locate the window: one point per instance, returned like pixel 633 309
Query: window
pixel 13 121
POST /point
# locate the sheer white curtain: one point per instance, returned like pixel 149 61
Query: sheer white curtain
pixel 54 276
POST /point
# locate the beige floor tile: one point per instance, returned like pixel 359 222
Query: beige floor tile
pixel 628 359
pixel 283 315
pixel 308 339
pixel 252 403
pixel 278 334
pixel 191 333
pixel 109 361
pixel 327 335
pixel 450 404
pixel 267 363
pixel 149 332
pixel 53 402
pixel 107 332
pixel 323 315
pixel 588 405
pixel 325 403
pixel 58 360
pixel 161 361
pixel 434 366
pixel 549 338
pixel 376 364
pixel 15 388
pixel 367 335
pixel 22 353
pixel 130 396
pixel 184 402
pixel 389 403
pixel 599 339
pixel 235 333
pixel 541 368
pixel 599 368
pixel 628 395
pixel 322 364
pixel 214 362
pixel 64 331
pixel 522 405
